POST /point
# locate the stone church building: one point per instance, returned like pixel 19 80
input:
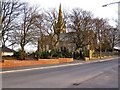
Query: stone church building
pixel 60 39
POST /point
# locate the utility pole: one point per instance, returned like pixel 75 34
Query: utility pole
pixel 0 32
pixel 100 45
pixel 118 11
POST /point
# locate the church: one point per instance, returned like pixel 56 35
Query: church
pixel 60 39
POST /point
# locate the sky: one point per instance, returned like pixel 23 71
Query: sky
pixel 95 6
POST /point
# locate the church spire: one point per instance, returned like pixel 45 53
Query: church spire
pixel 60 26
pixel 60 14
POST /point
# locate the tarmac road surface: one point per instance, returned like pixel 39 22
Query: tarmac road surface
pixel 91 75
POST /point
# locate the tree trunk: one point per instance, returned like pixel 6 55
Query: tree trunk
pixel 22 53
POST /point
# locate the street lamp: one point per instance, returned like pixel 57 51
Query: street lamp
pixel 118 11
pixel 110 4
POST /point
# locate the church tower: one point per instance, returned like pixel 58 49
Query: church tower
pixel 60 25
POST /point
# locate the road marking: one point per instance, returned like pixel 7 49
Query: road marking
pixel 3 72
pixel 39 68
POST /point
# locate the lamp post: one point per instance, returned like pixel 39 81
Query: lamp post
pixel 0 31
pixel 100 45
pixel 118 11
pixel 110 4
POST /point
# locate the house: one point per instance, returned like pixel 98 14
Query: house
pixel 7 51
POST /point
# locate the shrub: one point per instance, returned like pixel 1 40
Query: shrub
pixel 86 53
pixel 20 55
pixel 66 54
pixel 37 54
pixel 76 55
pixel 79 55
pixel 55 53
pixel 43 55
pixel 16 54
pixel 61 54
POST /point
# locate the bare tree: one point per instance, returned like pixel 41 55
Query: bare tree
pixel 81 23
pixel 51 19
pixel 27 28
pixel 116 31
pixel 10 11
pixel 114 37
pixel 100 26
pixel 41 31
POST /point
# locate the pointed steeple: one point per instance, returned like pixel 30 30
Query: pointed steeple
pixel 60 26
pixel 60 14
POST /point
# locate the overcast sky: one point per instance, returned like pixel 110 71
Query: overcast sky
pixel 95 6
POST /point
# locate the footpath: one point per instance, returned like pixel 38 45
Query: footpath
pixel 47 66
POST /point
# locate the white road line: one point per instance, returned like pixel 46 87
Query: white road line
pixel 39 68
pixel 52 66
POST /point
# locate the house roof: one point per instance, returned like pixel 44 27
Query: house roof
pixel 5 49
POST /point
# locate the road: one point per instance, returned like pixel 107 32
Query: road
pixel 91 75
